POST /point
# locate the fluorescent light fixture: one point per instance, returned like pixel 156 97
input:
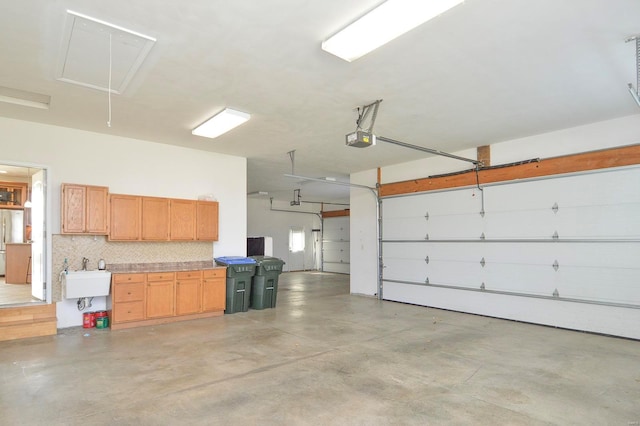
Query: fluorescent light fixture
pixel 24 98
pixel 332 182
pixel 384 23
pixel 221 123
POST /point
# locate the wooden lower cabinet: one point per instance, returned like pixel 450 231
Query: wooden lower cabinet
pixel 155 298
pixel 127 298
pixel 188 292
pixel 214 290
pixel 160 301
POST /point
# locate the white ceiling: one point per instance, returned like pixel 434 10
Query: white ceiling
pixel 484 72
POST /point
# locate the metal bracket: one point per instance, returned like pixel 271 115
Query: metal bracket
pixel 635 93
pixel 555 235
pixel 426 260
pixel 426 281
pixel 481 213
pixel 426 216
pixel 555 293
pixel 482 286
pixel 556 265
pixel 482 262
pixel 555 208
pixel 426 237
pixel 482 237
pixel 364 114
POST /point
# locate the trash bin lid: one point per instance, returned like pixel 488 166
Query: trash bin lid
pixel 235 260
pixel 267 264
pixel 267 259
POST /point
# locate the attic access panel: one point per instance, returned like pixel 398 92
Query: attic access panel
pixel 85 53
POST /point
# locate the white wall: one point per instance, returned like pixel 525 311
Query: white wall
pixel 363 228
pixel 601 135
pixel 130 166
pixel 261 221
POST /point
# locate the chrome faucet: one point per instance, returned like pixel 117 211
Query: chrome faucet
pixel 84 263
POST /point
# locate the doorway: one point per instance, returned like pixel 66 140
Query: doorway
pixel 297 240
pixel 23 245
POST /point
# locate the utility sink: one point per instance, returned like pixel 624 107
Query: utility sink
pixel 79 284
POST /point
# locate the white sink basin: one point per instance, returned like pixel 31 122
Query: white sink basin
pixel 79 284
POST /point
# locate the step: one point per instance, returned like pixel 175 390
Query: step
pixel 28 321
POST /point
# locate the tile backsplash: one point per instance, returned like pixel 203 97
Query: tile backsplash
pixel 74 248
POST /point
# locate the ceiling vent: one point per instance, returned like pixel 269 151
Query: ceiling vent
pixel 100 55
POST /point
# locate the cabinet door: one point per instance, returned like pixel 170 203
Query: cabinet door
pixel 160 299
pixel 13 195
pixel 155 219
pixel 207 220
pixel 125 217
pixel 96 210
pixel 188 296
pixel 127 311
pixel 18 258
pixel 73 208
pixel 183 220
pixel 214 291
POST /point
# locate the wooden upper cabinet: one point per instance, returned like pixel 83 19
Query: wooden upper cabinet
pixel 135 218
pixel 84 209
pixel 13 195
pixel 155 219
pixel 125 217
pixel 207 220
pixel 183 220
pixel 97 218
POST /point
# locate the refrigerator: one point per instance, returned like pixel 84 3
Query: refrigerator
pixel 11 231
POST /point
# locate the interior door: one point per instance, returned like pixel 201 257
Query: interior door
pixel 38 235
pixel 297 238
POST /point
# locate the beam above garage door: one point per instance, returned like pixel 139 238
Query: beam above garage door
pixel 616 157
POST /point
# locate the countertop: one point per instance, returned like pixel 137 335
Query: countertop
pixel 124 268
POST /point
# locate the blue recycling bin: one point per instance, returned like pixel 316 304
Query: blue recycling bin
pixel 240 271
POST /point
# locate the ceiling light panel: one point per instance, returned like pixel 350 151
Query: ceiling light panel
pixel 91 48
pixel 24 98
pixel 384 23
pixel 221 123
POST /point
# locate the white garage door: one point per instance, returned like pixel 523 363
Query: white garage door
pixel 561 251
pixel 335 244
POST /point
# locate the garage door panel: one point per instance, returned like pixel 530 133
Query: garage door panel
pixel 533 280
pixel 600 284
pixel 340 268
pixel 592 266
pixel 406 228
pixel 467 226
pixel 612 320
pixel 520 224
pixel 598 221
pixel 336 252
pixel 336 229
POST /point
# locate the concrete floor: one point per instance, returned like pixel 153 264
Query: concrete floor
pixel 322 357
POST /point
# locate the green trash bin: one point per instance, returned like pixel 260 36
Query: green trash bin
pixel 264 287
pixel 240 270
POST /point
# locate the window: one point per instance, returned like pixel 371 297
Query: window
pixel 296 239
